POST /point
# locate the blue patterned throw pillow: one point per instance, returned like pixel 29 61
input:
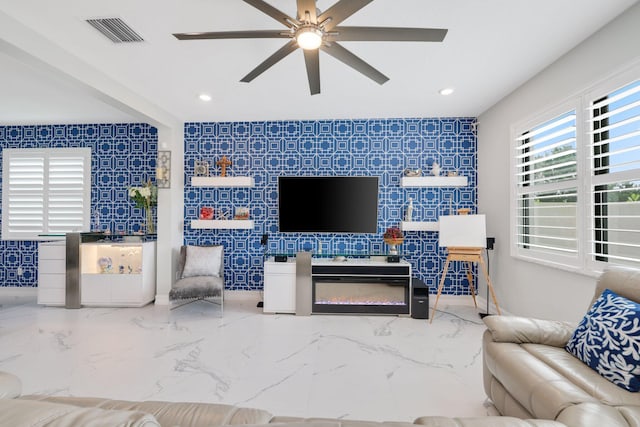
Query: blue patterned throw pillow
pixel 608 340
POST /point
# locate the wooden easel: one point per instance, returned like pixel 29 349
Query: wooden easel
pixel 468 255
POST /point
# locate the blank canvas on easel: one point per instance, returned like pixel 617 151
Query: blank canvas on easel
pixel 469 231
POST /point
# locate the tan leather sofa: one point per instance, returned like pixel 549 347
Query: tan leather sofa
pixel 528 373
pixel 47 411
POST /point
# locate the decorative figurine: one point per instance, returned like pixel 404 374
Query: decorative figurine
pixel 223 163
pixel 409 214
pixel 435 169
pixel 222 214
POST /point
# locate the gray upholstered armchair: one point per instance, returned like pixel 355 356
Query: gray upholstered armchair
pixel 200 276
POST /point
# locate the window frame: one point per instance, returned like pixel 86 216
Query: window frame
pixel 570 262
pixel 584 262
pixel 47 154
pixel 598 92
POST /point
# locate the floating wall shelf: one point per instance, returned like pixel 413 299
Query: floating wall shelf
pixel 236 224
pixel 419 226
pixel 433 181
pixel 222 181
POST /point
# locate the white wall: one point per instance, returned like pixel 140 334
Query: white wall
pixel 525 288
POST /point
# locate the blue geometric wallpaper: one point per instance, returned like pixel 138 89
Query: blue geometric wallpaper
pixel 122 155
pixel 376 147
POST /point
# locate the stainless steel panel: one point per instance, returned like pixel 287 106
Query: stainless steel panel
pixel 304 303
pixel 72 283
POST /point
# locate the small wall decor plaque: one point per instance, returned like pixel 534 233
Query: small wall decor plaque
pixel 242 213
pixel 201 168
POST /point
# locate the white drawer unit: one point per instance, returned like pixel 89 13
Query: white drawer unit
pixel 51 273
pixel 280 286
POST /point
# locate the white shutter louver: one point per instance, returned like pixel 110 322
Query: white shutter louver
pixel 615 180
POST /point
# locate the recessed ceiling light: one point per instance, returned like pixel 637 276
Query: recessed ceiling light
pixel 205 97
pixel 446 91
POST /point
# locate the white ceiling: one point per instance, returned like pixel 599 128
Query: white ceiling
pixel 492 47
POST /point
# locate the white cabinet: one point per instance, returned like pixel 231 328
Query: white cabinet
pixel 117 274
pixel 51 273
pixel 280 286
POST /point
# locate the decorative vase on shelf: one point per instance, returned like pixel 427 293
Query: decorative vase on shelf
pixel 151 229
pixel 146 197
pixel 435 169
pixel 393 245
pixel 393 237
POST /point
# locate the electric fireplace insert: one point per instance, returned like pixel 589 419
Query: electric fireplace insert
pixel 360 289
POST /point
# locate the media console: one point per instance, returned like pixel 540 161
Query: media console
pixel 304 285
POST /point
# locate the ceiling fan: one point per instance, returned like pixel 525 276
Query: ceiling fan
pixel 314 30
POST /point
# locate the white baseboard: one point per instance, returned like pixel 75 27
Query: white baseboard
pixel 482 306
pixel 243 295
pixel 17 291
pixel 162 299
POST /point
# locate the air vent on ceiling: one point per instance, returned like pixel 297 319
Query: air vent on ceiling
pixel 116 30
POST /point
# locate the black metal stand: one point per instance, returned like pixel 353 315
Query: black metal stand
pixel 483 315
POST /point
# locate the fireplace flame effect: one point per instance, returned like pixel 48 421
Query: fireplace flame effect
pixel 358 301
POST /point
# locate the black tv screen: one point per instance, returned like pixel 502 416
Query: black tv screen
pixel 328 204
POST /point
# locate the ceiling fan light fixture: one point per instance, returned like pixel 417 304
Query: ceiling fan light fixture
pixel 309 38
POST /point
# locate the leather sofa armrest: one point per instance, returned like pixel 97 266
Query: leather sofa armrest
pixel 521 330
pixel 10 386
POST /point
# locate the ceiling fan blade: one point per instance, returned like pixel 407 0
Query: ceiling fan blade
pixel 267 63
pixel 383 34
pixel 273 12
pixel 312 61
pixel 341 11
pixel 307 6
pixel 344 55
pixel 258 34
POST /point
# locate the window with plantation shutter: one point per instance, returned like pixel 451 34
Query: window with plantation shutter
pixel 575 193
pixel 615 179
pixel 45 191
pixel 547 188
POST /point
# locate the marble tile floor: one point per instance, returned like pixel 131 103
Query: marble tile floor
pixel 355 367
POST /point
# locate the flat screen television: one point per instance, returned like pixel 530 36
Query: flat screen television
pixel 328 204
